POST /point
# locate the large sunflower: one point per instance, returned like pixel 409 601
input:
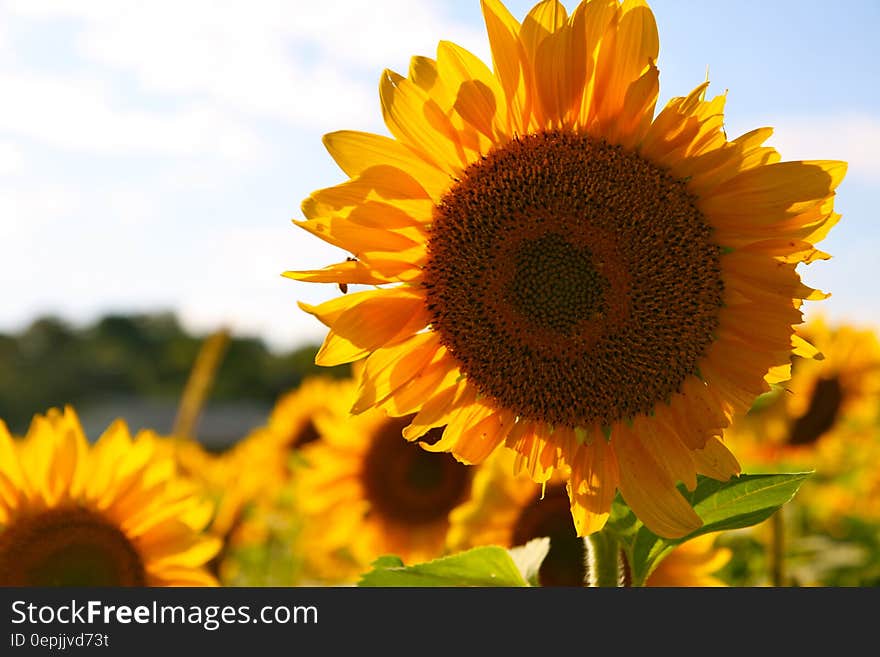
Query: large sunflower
pixel 557 269
pixel 364 492
pixel 111 514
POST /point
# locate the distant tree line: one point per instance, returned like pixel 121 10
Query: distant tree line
pixel 52 363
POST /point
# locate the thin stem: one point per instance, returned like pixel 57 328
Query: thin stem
pixel 201 378
pixel 603 559
pixel 777 555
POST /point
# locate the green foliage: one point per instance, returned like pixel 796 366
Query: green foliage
pixel 147 356
pixel 740 502
pixel 816 554
pixel 481 566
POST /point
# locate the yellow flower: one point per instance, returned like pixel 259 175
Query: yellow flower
pixel 364 492
pixel 823 419
pixel 693 563
pixel 292 421
pixel 111 514
pixel 558 270
pixel 826 414
pixel 256 467
pixel 249 481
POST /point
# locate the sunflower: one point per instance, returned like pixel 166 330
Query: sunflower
pixel 693 563
pixel 558 270
pixel 292 421
pixel 828 407
pixel 364 492
pixel 111 514
pixel 256 466
pixel 825 418
pixel 509 510
pixel 235 481
pixel 250 481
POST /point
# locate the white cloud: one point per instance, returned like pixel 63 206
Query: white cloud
pixel 11 159
pixel 307 63
pixel 239 284
pixel 82 113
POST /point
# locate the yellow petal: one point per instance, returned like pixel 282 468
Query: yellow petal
pixel 509 61
pixel 596 17
pixel 667 450
pixel 441 373
pixel 592 485
pixel 804 349
pixel 716 461
pixel 535 449
pixel 649 490
pixel 356 152
pixel 624 59
pixel 544 19
pixel 389 368
pixel 769 193
pixel 439 409
pixel 416 120
pixel 374 320
pixel 352 272
pixel 479 98
pixel 561 61
pixel 475 431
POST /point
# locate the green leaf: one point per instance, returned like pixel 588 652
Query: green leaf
pixel 481 566
pixel 387 561
pixel 529 557
pixel 722 505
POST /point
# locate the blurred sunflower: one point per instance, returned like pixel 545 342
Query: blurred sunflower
pixel 256 516
pixel 693 563
pixel 236 481
pixel 291 424
pixel 364 492
pixel 826 413
pixel 510 510
pixel 111 514
pixel 557 270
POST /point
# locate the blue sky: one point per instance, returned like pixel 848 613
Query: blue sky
pixel 153 154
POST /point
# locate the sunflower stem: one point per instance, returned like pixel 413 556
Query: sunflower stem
pixel 199 383
pixel 777 557
pixel 603 560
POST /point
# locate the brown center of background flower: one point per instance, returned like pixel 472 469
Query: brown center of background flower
pixel 305 433
pixel 406 484
pixel 821 413
pixel 68 547
pixel 574 281
pixel 565 563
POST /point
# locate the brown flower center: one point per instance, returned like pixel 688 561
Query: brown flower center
pixel 305 433
pixel 406 484
pixel 821 414
pixel 574 281
pixel 68 547
pixel 565 563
